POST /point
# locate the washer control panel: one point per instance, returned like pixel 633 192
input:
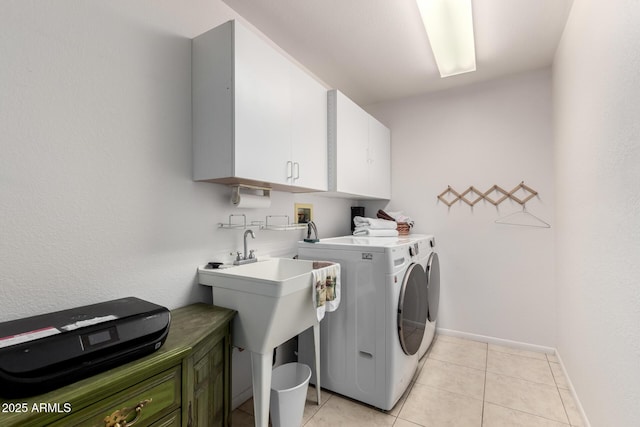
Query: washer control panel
pixel 414 250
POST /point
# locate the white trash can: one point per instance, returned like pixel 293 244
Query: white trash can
pixel 289 385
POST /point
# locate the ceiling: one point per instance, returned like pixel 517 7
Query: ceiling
pixel 377 50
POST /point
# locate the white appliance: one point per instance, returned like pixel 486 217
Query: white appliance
pixel 427 257
pixel 371 344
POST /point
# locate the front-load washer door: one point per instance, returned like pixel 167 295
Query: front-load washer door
pixel 433 285
pixel 412 309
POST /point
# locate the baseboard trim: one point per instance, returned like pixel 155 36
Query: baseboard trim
pixel 497 341
pixel 579 407
pixel 241 397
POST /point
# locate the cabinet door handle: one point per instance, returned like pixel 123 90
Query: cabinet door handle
pixel 119 417
pixel 296 166
pixel 289 169
pixel 190 417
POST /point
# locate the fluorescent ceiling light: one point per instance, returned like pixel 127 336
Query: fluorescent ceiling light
pixel 449 25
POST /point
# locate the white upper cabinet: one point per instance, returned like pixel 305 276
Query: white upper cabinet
pixel 379 159
pixel 309 132
pixel 257 117
pixel 359 150
pixel 262 109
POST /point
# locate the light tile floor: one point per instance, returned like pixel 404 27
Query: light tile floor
pixel 458 383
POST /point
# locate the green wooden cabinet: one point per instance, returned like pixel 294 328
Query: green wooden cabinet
pixel 207 379
pixel 208 389
pixel 187 383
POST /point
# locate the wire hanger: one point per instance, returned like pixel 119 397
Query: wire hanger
pixel 523 218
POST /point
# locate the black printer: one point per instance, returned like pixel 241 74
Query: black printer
pixel 41 353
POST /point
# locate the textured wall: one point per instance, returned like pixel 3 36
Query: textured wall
pixel 597 105
pixel 497 280
pixel 96 196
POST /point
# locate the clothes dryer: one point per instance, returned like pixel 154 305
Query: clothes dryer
pixel 424 252
pixel 369 346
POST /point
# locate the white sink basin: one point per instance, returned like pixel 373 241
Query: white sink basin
pixel 272 297
pixel 273 277
pixel 273 301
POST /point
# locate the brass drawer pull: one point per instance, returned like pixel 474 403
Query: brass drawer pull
pixel 119 417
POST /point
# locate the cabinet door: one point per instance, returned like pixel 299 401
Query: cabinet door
pixel 309 131
pixel 352 137
pixel 379 160
pixel 262 144
pixel 210 386
pixel 212 103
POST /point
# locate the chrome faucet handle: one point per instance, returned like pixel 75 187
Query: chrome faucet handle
pixel 252 254
pixel 312 226
pixel 253 236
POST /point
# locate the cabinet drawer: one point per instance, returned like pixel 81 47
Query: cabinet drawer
pixel 157 396
pixel 171 420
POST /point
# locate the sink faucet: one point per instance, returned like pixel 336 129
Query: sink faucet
pixel 253 236
pixel 311 226
pixel 245 259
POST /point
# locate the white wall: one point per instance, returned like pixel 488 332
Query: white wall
pixel 96 196
pixel 497 280
pixel 597 106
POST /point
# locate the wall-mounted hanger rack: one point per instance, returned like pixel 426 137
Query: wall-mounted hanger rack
pixel 472 195
pixel 496 195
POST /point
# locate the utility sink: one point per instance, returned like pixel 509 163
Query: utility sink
pixel 272 297
pixel 273 277
pixel 273 301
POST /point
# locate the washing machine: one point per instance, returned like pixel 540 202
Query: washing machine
pixel 369 346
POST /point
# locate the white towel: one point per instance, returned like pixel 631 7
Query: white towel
pixel 363 231
pixel 374 223
pixel 326 287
